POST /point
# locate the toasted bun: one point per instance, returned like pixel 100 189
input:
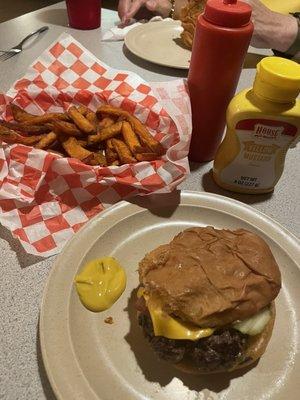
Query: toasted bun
pixel 256 347
pixel 212 277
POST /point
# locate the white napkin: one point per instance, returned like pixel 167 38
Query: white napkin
pixel 116 34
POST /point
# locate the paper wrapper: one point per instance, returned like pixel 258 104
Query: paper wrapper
pixel 45 198
pixel 115 33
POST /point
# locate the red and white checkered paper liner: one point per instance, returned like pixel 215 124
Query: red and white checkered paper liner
pixel 44 198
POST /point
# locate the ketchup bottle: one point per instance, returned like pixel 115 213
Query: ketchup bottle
pixel 222 37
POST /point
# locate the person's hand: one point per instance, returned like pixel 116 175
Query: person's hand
pixel 127 9
pixel 271 29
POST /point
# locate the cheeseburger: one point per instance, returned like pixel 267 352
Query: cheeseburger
pixel 206 299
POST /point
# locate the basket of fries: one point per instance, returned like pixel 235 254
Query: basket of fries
pixel 110 136
pixel 77 136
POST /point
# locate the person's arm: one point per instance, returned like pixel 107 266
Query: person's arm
pixel 127 9
pixel 271 29
pixel 296 44
pixel 293 52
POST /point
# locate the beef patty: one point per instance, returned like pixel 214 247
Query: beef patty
pixel 222 348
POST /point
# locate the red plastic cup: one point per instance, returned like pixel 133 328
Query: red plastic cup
pixel 84 14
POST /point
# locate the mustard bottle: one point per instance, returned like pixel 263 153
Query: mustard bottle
pixel 263 122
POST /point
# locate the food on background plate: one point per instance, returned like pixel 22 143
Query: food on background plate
pixel 206 299
pixel 108 137
pixel 188 17
pixel 100 283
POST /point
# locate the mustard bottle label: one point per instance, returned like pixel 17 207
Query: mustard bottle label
pixel 263 144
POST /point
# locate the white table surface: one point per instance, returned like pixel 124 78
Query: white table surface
pixel 22 375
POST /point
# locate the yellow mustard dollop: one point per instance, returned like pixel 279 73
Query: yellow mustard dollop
pixel 100 283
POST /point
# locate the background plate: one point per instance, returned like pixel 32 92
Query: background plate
pixel 88 359
pixel 159 42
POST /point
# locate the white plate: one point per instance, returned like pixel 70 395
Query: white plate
pixel 159 42
pixel 88 359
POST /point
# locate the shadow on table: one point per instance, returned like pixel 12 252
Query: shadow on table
pixel 179 73
pixel 194 166
pixel 252 59
pixel 209 185
pixel 56 16
pixel 48 392
pixel 163 373
pixel 180 43
pixel 25 259
pixel 163 205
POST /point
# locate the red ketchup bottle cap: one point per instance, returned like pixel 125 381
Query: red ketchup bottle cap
pixel 227 13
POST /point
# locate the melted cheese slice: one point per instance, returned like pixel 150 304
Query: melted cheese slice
pixel 170 327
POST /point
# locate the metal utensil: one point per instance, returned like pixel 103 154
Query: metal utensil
pixel 6 54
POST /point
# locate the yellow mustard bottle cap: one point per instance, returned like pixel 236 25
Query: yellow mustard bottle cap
pixel 277 79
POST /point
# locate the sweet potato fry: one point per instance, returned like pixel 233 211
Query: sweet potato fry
pixel 98 159
pixel 144 135
pixel 31 129
pixel 30 140
pixel 106 133
pixel 107 110
pixel 92 118
pixel 106 122
pixel 130 138
pixel 46 141
pixel 123 152
pixel 79 120
pixel 30 119
pixel 146 156
pixel 9 136
pixel 50 125
pixel 19 114
pixel 110 153
pixel 82 142
pixel 42 119
pixel 93 139
pixel 73 149
pixel 67 128
pixel 83 110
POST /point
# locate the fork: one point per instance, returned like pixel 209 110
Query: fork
pixel 6 54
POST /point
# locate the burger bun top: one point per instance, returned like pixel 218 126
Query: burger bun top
pixel 212 277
